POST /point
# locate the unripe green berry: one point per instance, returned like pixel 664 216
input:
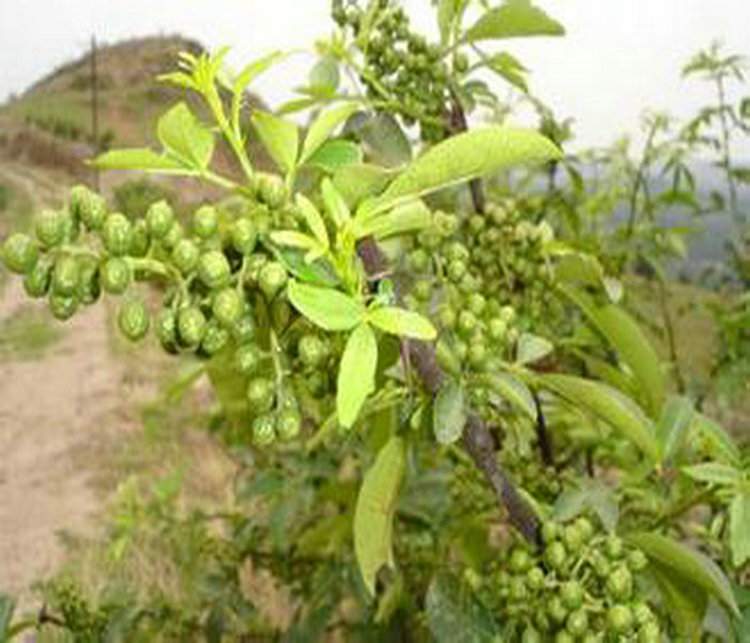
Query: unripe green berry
pixel 467 322
pixel 244 330
pixel 19 253
pixel 272 279
pixel 642 614
pixel 571 538
pixel 191 326
pixel 419 260
pixel 585 528
pixel 205 222
pixel 185 256
pixel 289 424
pixel 49 228
pixel 65 276
pixel 577 623
pixel 166 330
pixel 133 320
pixel 563 636
pixel 62 307
pixel 571 594
pixel 36 282
pixel 619 619
pixel 556 556
pixel 556 610
pixel 174 235
pixel 620 583
pixel 140 241
pixel 264 430
pixel 247 359
pixel 535 578
pixel 117 234
pixel 88 288
pixel 519 560
pixel 214 338
pixel 213 269
pixel 637 560
pixel 550 531
pixel 92 211
pixel 159 219
pixel 613 547
pixel 312 351
pixel 478 355
pixel 497 329
pixel 477 304
pixel 649 633
pixel 517 589
pixel 260 394
pixel 456 271
pixel 116 275
pixel 243 236
pixel 228 306
pixel 530 635
pixel 271 190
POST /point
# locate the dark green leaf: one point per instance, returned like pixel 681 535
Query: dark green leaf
pixel 411 216
pixel 739 528
pixel 476 153
pixel 514 19
pixel 356 378
pixel 325 75
pixel 713 473
pixel 608 405
pixel 386 142
pixel 455 616
pixel 326 307
pixel 688 564
pixel 532 348
pixel 515 391
pixel 360 181
pixel 185 138
pixel 449 412
pixel 685 603
pixel 376 506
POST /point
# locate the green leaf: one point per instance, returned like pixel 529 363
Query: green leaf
pixel 673 426
pixel 514 19
pixel 335 204
pixel 454 615
pixel 335 155
pixel 512 389
pixel 509 68
pixel 685 603
pixel 280 138
pixel 313 219
pixel 739 528
pixel 7 607
pixel 326 307
pixel 356 374
pixel 532 348
pixel 448 12
pixel 140 159
pixel 402 322
pixel 325 76
pixel 294 239
pixel 324 124
pixel 246 77
pixel 688 564
pixel 295 261
pixel 631 344
pixel 411 216
pixel 385 140
pixel 479 152
pixel 588 494
pixel 449 415
pixel 713 473
pixel 359 181
pixel 185 138
pixel 375 510
pixel 609 405
pixel 579 268
pixel 715 440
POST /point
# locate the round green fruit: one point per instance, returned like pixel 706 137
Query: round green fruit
pixel 535 579
pixel 264 430
pixel 214 339
pixel 89 282
pixel 214 269
pixel 141 240
pixel 92 210
pixel 271 190
pixel 260 393
pixel 619 619
pixel 571 594
pixel 519 560
pixel 191 326
pixel 577 623
pixel 637 560
pixel 185 256
pixel 312 351
pixel 62 307
pixel 19 253
pixel 166 330
pixel 248 359
pixel 174 235
pixel 289 424
pixel 556 556
pixel 620 583
pixel 117 234
pixel 244 330
pixel 133 320
pixel 228 306
pixel 37 281
pixel 205 222
pixel 272 279
pixel 49 228
pixel 244 236
pixel 159 219
pixel 116 275
pixel 65 276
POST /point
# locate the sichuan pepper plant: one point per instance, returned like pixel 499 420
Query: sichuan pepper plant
pixel 450 427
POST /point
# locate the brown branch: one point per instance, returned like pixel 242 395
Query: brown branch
pixel 542 433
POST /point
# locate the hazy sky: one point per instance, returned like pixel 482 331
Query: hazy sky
pixel 618 58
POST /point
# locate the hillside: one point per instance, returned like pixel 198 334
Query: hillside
pixel 49 127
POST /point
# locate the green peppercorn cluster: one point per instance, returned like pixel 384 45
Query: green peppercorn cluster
pixel 582 586
pixel 400 66
pixel 223 291
pixel 86 622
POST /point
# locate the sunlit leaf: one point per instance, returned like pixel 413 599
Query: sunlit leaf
pixel 360 181
pixel 402 322
pixel 326 122
pixel 532 348
pixel 411 216
pixel 335 204
pixel 326 307
pixel 140 159
pixel 449 413
pixel 280 138
pixel 185 138
pixel 332 156
pixel 356 378
pixel 739 528
pixel 313 219
pixel 713 473
pixel 514 19
pixel 673 426
pixel 374 513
